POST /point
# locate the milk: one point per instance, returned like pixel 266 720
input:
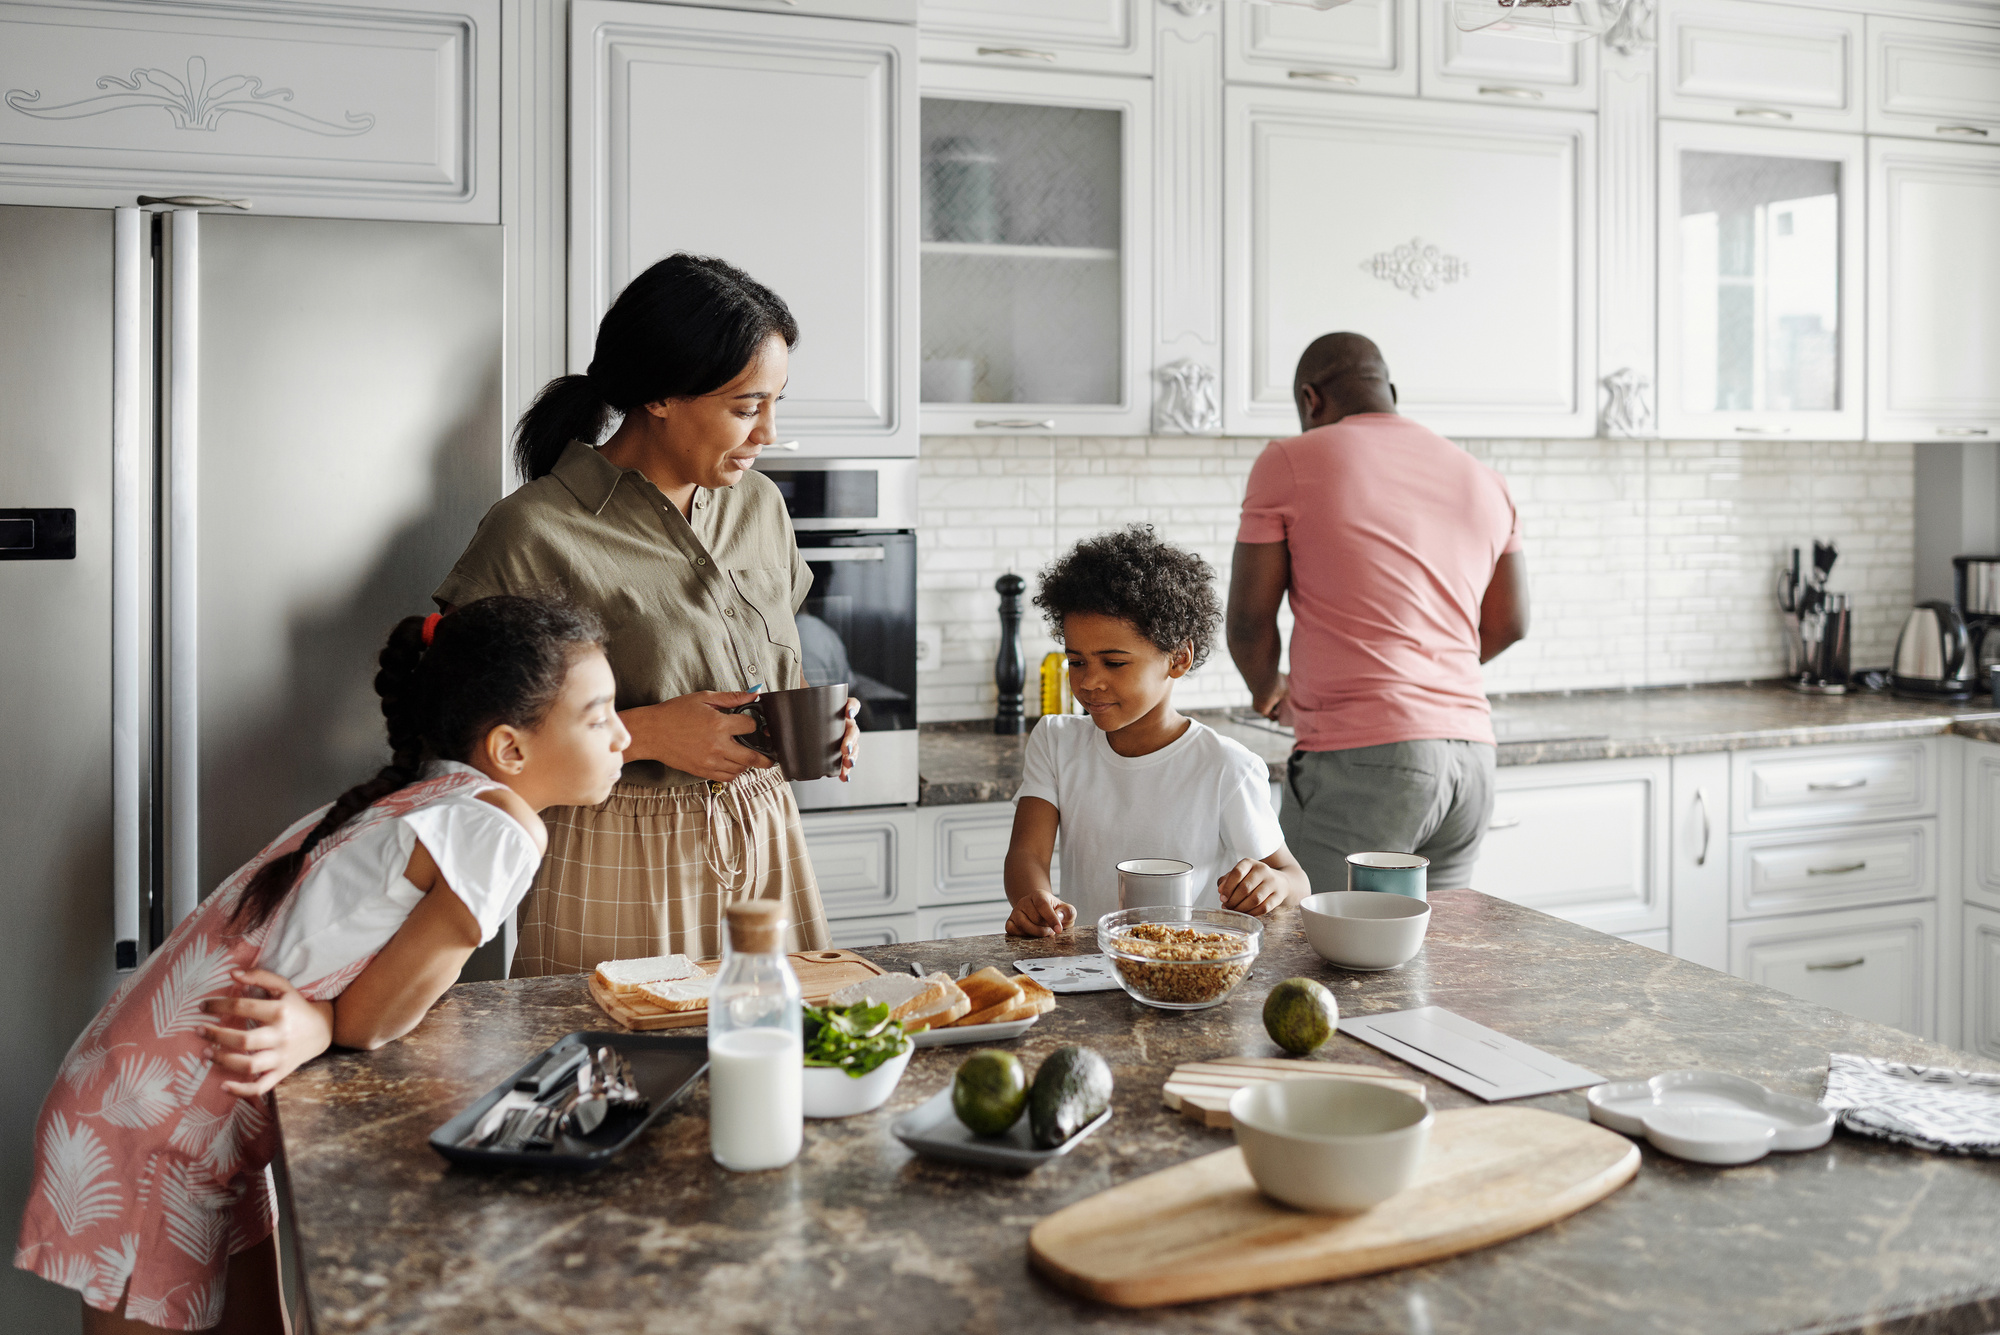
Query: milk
pixel 755 1113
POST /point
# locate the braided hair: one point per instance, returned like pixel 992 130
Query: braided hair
pixel 500 660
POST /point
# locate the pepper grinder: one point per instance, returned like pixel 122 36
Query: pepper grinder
pixel 1010 667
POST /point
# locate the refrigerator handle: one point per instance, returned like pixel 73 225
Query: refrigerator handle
pixel 183 733
pixel 131 500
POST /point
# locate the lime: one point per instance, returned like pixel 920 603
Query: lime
pixel 989 1091
pixel 1300 1015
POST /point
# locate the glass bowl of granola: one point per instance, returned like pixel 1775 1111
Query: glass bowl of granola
pixel 1180 959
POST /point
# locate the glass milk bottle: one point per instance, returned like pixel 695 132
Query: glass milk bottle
pixel 756 1047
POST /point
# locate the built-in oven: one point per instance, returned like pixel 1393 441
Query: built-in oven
pixel 856 520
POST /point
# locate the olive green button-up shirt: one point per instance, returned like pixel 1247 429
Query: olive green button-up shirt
pixel 701 603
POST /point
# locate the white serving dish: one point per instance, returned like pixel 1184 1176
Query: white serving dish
pixel 832 1092
pixel 952 1035
pixel 1330 1144
pixel 1367 930
pixel 1710 1116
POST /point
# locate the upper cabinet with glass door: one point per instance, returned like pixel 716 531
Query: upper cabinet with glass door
pixel 1036 269
pixel 1749 63
pixel 1098 36
pixel 1760 283
pixel 1491 65
pixel 1367 46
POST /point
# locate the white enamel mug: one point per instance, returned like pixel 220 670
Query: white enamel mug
pixel 1146 883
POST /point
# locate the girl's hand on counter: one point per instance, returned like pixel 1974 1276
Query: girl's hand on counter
pixel 691 733
pixel 1040 914
pixel 283 1033
pixel 1252 887
pixel 850 741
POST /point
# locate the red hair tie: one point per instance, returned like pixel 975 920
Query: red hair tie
pixel 430 627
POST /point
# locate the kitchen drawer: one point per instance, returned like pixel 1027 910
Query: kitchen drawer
pixel 943 924
pixel 1367 46
pixel 1982 824
pixel 1878 964
pixel 1934 80
pixel 1500 69
pixel 1755 64
pixel 1660 940
pixel 1829 785
pixel 886 11
pixel 1774 874
pixel 1105 36
pixel 861 860
pixel 887 930
pixel 1586 842
pixel 964 852
pixel 1981 982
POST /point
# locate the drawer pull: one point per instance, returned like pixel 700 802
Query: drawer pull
pixel 1963 129
pixel 1764 430
pixel 1832 965
pixel 1522 94
pixel 1507 823
pixel 1323 76
pixel 1836 871
pixel 1763 113
pixel 1961 431
pixel 1701 799
pixel 1018 52
pixel 1837 786
pixel 1018 423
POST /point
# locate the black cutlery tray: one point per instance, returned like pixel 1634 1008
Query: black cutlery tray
pixel 664 1067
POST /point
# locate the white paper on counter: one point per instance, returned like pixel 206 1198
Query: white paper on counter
pixel 1480 1061
pixel 1071 973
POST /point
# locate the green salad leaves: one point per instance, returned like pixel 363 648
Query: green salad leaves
pixel 855 1038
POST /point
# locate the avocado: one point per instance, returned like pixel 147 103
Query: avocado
pixel 989 1091
pixel 1300 1015
pixel 1071 1090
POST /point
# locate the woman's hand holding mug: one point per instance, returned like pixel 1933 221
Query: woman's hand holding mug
pixel 691 733
pixel 850 740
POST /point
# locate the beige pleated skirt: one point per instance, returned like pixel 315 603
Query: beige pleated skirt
pixel 649 871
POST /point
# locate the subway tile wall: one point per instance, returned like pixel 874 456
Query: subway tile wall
pixel 1651 563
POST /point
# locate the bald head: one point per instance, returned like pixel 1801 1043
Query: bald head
pixel 1340 375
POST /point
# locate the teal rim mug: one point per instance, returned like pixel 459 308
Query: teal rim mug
pixel 1389 873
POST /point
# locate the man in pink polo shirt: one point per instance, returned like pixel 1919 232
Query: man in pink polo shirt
pixel 1402 557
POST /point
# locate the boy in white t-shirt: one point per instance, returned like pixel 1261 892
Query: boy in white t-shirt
pixel 1136 779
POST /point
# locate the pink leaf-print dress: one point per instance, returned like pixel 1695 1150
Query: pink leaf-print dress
pixel 148 1175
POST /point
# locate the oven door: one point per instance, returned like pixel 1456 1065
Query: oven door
pixel 859 625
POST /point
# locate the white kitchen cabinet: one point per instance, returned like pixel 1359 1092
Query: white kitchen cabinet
pixel 1933 80
pixel 1586 842
pixel 864 861
pixel 886 930
pixel 1037 269
pixel 1660 940
pixel 1981 796
pixel 956 920
pixel 884 11
pixel 962 852
pixel 1498 68
pixel 1934 289
pixel 1760 290
pixel 1472 266
pixel 1698 838
pixel 1848 867
pixel 1803 786
pixel 1981 979
pixel 1875 963
pixel 1365 46
pixel 1106 36
pixel 1745 62
pixel 783 144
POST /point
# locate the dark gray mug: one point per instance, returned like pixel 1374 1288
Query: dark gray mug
pixel 800 729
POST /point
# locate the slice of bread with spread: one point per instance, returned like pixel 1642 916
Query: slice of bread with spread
pixel 902 994
pixel 624 979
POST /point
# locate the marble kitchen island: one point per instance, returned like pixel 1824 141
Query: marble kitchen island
pixel 861 1236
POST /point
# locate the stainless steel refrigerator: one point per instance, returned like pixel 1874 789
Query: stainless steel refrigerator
pixel 234 450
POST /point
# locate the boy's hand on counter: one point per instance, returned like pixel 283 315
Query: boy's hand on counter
pixel 1252 887
pixel 1040 914
pixel 283 1033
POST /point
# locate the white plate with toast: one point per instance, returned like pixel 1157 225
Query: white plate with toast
pixel 973 1033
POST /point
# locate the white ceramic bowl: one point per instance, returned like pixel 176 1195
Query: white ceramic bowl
pixel 832 1092
pixel 1365 929
pixel 1330 1144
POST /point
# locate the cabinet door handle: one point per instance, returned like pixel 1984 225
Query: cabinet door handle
pixel 1961 431
pixel 1701 800
pixel 1019 423
pixel 1836 871
pixel 1963 129
pixel 1764 430
pixel 1017 52
pixel 1831 965
pixel 1524 94
pixel 1506 823
pixel 1324 76
pixel 1763 113
pixel 1837 786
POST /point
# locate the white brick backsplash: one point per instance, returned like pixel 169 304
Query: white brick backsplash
pixel 1650 563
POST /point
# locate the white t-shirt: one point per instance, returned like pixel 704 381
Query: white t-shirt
pixel 1201 798
pixel 356 898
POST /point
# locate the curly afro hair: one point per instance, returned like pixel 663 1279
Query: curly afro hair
pixel 1167 593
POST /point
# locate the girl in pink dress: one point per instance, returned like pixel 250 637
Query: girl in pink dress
pixel 152 1194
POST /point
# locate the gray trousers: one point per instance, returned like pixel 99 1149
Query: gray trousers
pixel 1430 798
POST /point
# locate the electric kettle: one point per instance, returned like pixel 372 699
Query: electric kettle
pixel 1934 654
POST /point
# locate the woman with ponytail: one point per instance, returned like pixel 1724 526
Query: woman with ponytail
pixel 152 1196
pixel 687 554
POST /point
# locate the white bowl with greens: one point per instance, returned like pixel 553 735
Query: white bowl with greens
pixel 854 1056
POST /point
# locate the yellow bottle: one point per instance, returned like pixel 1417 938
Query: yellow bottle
pixel 1055 683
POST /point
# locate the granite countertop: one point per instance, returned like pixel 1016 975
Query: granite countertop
pixel 860 1236
pixel 962 763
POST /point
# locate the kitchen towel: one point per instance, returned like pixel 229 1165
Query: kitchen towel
pixel 1929 1107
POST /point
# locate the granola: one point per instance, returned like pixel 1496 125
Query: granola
pixel 1193 969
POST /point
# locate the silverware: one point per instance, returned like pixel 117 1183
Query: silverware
pixel 916 969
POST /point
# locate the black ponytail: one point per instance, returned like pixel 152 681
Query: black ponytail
pixel 498 660
pixel 683 328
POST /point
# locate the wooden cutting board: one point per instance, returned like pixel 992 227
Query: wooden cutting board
pixel 1202 1230
pixel 1201 1090
pixel 821 974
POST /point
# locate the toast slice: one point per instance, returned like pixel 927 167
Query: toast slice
pixel 953 1005
pixel 903 994
pixel 1035 1000
pixel 992 994
pixel 623 978
pixel 672 995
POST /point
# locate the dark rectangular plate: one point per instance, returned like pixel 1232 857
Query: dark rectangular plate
pixel 664 1067
pixel 933 1129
